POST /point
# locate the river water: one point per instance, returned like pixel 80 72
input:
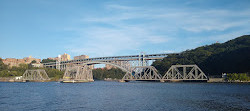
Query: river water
pixel 130 96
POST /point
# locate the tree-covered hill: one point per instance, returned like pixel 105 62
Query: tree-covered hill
pixel 230 57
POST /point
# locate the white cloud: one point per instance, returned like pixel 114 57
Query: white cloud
pixel 106 42
pixel 228 36
pixel 119 7
pixel 131 28
pixel 215 20
pixel 169 51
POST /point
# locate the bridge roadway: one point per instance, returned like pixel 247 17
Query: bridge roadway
pixel 112 58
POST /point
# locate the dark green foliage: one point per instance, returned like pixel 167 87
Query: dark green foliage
pixel 229 57
pixel 2 65
pixel 113 73
pixel 240 77
pixel 14 71
pixel 47 60
pixel 54 74
pixel 34 61
pixel 228 62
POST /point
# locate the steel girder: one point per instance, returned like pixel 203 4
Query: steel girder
pixel 38 74
pixel 176 72
pixel 76 72
pixel 184 72
pixel 142 73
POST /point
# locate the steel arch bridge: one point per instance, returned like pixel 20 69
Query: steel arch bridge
pixel 75 72
pixel 132 60
pixel 136 67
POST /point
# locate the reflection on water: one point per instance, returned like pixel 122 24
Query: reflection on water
pixel 115 96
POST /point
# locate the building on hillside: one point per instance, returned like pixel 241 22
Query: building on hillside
pixel 30 59
pixel 81 57
pixel 63 57
pixel 15 62
pixel 37 65
pixel 11 62
pixel 53 58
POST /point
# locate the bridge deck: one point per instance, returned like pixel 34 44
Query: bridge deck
pixel 116 58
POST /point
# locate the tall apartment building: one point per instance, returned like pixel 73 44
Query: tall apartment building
pixel 15 62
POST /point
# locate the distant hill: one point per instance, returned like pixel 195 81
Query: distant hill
pixel 230 57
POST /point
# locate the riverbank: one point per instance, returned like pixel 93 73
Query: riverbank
pixel 12 79
pixel 5 79
pixel 222 80
pixel 211 80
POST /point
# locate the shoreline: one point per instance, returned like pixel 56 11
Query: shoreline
pixel 231 82
pixel 211 80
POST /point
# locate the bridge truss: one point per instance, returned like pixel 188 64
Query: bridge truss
pixel 35 75
pixel 142 73
pixel 137 73
pixel 78 73
pixel 184 72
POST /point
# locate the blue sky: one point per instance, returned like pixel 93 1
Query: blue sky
pixel 46 28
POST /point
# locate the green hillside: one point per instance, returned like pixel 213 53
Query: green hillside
pixel 230 57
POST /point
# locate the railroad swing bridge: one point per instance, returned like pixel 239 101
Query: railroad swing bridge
pixel 35 75
pixel 136 67
pixel 78 73
pixel 184 72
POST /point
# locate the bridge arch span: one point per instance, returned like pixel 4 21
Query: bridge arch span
pixel 133 73
pixel 109 63
pixel 81 72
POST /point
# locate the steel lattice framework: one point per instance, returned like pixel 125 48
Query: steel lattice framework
pixel 142 73
pixel 132 72
pixel 135 73
pixel 35 75
pixel 184 72
pixel 124 65
pixel 133 60
pixel 78 73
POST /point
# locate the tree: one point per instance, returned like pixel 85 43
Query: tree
pixel 2 65
pixel 55 74
pixel 47 60
pixel 34 61
pixel 101 73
